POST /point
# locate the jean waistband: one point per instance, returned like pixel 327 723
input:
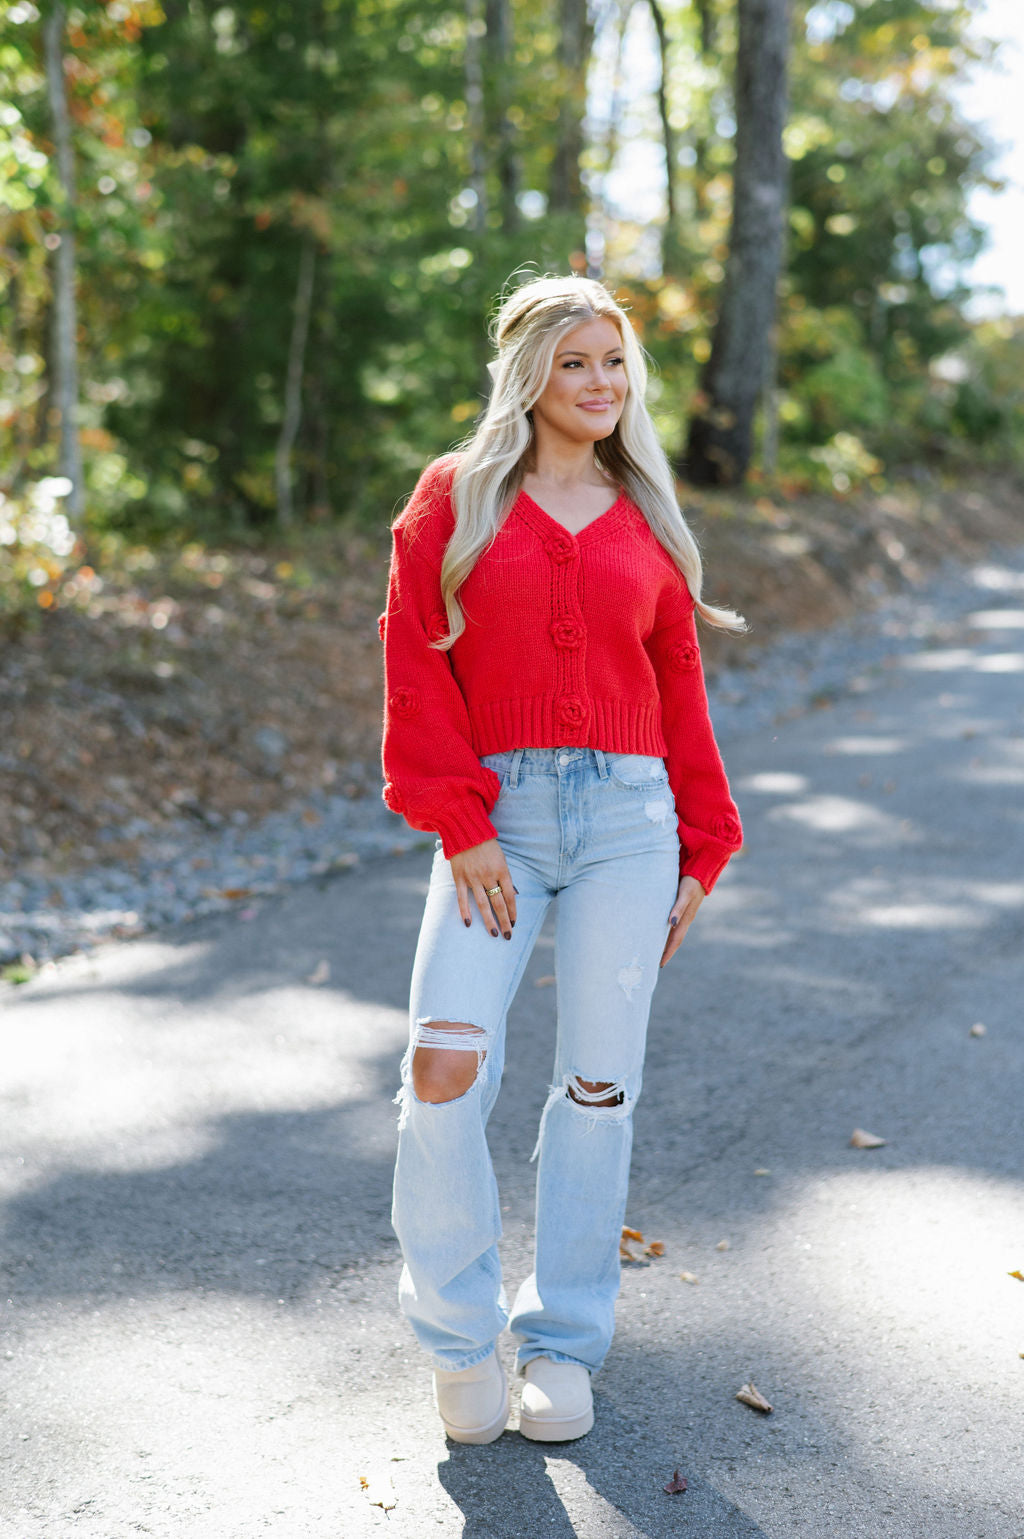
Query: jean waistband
pixel 547 761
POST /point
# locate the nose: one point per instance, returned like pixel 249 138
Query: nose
pixel 599 378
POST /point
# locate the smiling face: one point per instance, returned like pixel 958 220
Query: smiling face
pixel 583 398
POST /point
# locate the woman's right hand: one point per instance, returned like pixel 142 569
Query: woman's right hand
pixel 476 869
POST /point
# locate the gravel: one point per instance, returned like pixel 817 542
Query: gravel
pixel 201 868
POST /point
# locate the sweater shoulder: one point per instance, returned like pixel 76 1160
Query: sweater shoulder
pixel 429 510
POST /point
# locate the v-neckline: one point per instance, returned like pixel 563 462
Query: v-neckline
pixel 616 506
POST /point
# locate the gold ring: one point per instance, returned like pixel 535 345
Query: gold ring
pixel 490 891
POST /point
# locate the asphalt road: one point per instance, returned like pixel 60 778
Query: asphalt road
pixel 200 1335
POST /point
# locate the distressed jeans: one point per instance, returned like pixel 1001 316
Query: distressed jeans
pixel 597 831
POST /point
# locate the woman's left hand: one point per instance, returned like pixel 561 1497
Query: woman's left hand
pixel 684 911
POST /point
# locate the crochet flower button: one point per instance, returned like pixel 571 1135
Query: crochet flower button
pixel 392 798
pixel 571 712
pixel 437 626
pixel 405 702
pixel 382 621
pixel 726 828
pixel 683 656
pixel 561 548
pixel 567 633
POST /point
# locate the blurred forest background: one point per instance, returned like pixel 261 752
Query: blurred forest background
pixel 286 225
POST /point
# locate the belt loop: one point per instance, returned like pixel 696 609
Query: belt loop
pixel 513 774
pixel 602 767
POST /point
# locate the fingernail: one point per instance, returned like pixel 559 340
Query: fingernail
pixel 674 921
pixel 515 889
pixel 508 934
pixel 466 923
pixel 494 933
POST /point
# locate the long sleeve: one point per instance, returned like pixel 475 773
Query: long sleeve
pixel 433 777
pixel 709 823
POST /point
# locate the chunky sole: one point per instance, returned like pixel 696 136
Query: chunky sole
pixel 488 1434
pixel 545 1429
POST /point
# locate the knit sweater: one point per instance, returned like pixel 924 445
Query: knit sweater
pixel 583 641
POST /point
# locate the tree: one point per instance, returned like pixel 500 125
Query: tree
pixel 720 436
pixel 65 310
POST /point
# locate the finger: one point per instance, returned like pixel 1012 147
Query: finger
pixel 462 895
pixel 483 903
pixel 675 938
pixel 501 914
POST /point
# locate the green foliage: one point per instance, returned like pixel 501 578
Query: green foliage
pixel 214 142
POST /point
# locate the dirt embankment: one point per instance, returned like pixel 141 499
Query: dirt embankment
pixel 222 685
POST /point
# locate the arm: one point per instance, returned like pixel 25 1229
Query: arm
pixel 433 777
pixel 709 823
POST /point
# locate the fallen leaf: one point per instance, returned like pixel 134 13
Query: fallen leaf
pixel 625 1254
pixel 722 1245
pixel 862 1140
pixel 234 893
pixel 378 1490
pixel 545 982
pixel 1018 1274
pixel 690 1277
pixel 656 1248
pixel 753 1397
pixel 632 1234
pixel 321 973
pixel 676 1484
pixel 977 1030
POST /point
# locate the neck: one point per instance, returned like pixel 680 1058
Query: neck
pixel 562 463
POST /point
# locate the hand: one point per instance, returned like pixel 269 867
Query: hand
pixel 474 871
pixel 684 911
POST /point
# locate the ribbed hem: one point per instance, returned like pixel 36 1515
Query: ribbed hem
pixel 616 726
pixel 462 824
pixel 706 864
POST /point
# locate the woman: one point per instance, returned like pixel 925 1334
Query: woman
pixel 545 707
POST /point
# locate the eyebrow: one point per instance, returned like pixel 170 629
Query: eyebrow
pixel 576 352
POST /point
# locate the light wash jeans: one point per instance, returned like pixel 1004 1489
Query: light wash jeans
pixel 599 831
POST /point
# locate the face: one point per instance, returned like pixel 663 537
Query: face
pixel 583 398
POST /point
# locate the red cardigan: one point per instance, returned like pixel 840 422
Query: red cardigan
pixel 583 641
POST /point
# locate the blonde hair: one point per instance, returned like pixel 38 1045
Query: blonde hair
pixel 526 330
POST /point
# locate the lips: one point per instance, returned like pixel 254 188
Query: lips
pixel 595 405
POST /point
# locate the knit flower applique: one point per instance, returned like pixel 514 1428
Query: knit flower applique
pixel 382 620
pixel 561 548
pixel 437 626
pixel 726 828
pixel 567 632
pixel 392 799
pixel 571 712
pixel 405 702
pixel 683 656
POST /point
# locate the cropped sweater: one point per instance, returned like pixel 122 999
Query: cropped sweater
pixel 583 641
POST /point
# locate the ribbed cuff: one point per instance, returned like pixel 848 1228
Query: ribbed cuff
pixel 706 864
pixel 461 824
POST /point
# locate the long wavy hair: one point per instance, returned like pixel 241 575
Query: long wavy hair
pixel 526 330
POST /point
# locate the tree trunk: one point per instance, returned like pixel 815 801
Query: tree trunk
pixel 65 315
pixel 670 237
pixel 293 383
pixel 702 141
pixel 501 128
pixel 476 28
pixel 719 446
pixel 575 40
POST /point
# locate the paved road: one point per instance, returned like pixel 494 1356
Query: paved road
pixel 200 1336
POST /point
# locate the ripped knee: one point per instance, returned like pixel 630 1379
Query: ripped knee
pixel 588 1092
pixel 446 1059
